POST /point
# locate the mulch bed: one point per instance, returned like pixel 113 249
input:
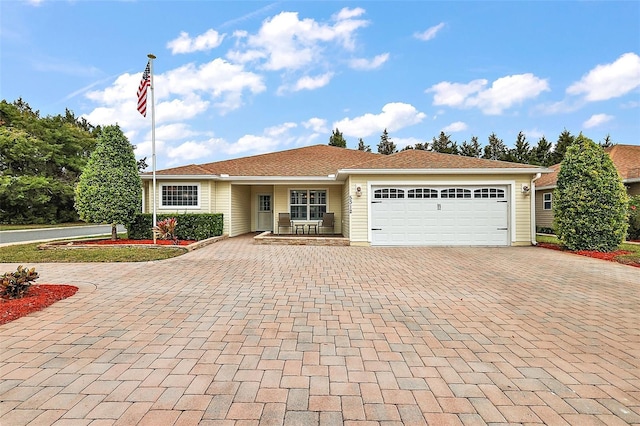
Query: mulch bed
pixel 611 256
pixel 38 297
pixel 123 241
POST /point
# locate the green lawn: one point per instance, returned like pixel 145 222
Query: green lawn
pixel 29 253
pixel 39 226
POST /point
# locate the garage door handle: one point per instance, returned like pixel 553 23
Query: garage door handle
pixel 503 229
pixel 376 229
pixel 375 202
pixel 502 201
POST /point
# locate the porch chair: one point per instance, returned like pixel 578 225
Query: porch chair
pixel 284 221
pixel 328 221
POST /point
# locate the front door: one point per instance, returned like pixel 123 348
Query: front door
pixel 265 213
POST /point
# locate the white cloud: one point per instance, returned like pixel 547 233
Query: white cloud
pixel 369 64
pixel 394 116
pixel 430 33
pixel 174 131
pixel 204 42
pixel 400 143
pixel 596 120
pixel 279 130
pixel 610 80
pixel 311 83
pixel 533 134
pixel 503 93
pixel 318 125
pixel 254 144
pixel 286 42
pixel 189 151
pixel 457 126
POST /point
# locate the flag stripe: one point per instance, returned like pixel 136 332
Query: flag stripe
pixel 142 90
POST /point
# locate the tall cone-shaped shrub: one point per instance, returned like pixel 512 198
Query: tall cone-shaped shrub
pixel 590 201
pixel 110 189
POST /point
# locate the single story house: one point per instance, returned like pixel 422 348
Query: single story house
pixel 626 159
pixel 412 197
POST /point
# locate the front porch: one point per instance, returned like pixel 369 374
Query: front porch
pixel 269 238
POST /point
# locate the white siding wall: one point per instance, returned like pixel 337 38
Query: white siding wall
pixel 346 216
pixel 223 204
pixel 334 201
pixel 205 196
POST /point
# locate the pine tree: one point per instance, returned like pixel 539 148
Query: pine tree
pixel 444 144
pixel 472 149
pixel 521 153
pixel 541 153
pixel 496 149
pixel 110 190
pixel 362 146
pixel 607 142
pixel 564 141
pixel 336 139
pixel 386 146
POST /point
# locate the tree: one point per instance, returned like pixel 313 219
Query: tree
pixel 444 144
pixel 110 190
pixel 336 139
pixel 496 149
pixel 386 146
pixel 564 141
pixel 362 146
pixel 541 153
pixel 471 149
pixel 590 201
pixel 607 142
pixel 41 159
pixel 521 153
pixel 421 146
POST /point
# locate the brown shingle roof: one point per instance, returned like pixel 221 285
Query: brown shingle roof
pixel 626 158
pixel 323 160
pixel 419 159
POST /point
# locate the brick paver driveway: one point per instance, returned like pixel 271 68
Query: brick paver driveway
pixel 296 335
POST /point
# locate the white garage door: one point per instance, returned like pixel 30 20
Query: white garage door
pixel 460 215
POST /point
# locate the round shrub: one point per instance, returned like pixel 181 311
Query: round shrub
pixel 590 206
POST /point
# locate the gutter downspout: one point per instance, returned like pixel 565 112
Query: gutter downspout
pixel 533 209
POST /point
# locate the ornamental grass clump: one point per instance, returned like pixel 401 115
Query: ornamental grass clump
pixel 15 285
pixel 166 229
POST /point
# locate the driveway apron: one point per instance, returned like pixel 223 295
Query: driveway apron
pixel 243 334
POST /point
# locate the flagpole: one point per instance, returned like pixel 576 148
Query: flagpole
pixel 153 140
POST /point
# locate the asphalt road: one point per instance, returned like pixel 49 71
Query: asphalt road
pixel 48 234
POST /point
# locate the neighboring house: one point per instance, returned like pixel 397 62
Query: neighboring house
pixel 413 197
pixel 626 158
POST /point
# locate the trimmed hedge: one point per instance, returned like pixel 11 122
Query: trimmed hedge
pixel 191 226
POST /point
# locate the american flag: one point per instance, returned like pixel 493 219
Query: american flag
pixel 142 90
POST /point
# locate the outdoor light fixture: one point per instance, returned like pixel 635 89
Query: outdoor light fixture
pixel 358 190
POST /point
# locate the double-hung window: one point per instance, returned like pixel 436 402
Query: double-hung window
pixel 307 204
pixel 547 200
pixel 180 196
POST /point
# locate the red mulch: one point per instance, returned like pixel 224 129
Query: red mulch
pixel 611 256
pixel 126 241
pixel 38 297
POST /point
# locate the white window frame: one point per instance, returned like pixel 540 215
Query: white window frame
pixel 180 207
pixel 549 200
pixel 308 203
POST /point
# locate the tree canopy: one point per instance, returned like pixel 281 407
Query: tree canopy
pixel 386 145
pixel 110 190
pixel 336 139
pixel 41 159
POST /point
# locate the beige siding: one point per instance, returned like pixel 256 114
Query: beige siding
pixel 521 212
pixel 204 194
pixel 240 210
pixel 544 218
pixel 346 214
pixel 223 204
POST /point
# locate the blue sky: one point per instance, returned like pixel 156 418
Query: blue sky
pixel 240 78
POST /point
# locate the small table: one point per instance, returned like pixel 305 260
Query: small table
pixel 299 226
pixel 313 226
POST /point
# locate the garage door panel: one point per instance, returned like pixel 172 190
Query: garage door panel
pixel 443 221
